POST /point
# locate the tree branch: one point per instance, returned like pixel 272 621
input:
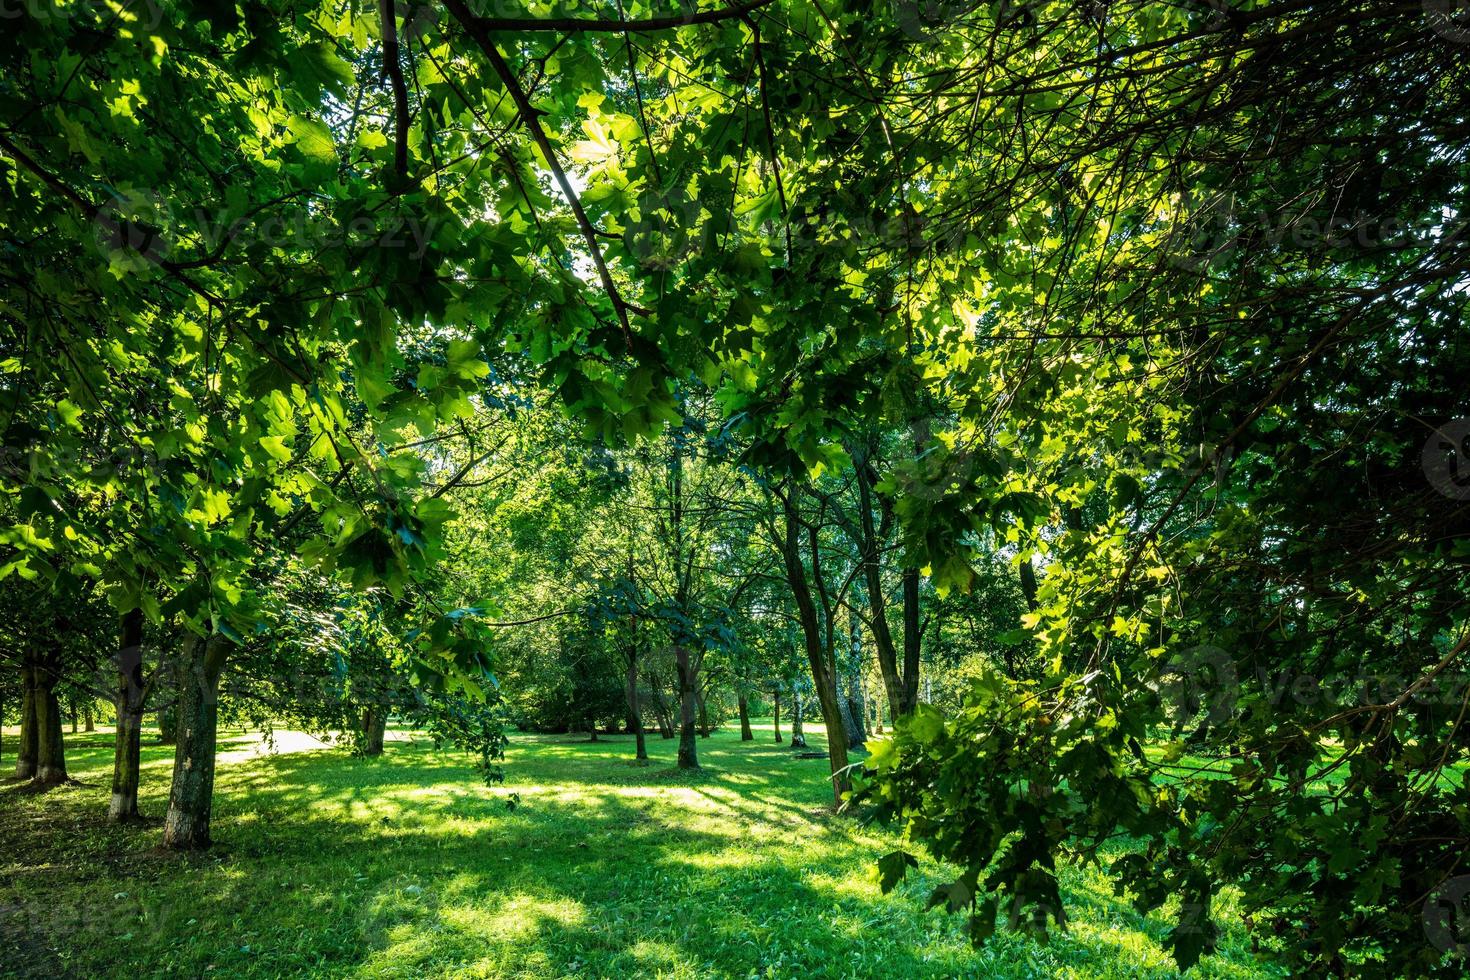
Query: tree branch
pixel 601 26
pixel 393 71
pixel 531 119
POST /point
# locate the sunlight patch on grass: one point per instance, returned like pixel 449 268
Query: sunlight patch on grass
pixel 408 866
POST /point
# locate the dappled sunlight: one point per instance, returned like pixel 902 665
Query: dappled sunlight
pixel 408 865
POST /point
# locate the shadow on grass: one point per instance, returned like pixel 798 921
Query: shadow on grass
pixel 406 865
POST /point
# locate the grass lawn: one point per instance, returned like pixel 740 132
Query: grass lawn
pixel 406 866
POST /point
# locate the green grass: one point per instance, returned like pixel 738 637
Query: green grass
pixel 405 866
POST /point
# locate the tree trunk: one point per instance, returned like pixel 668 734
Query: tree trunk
pixel 374 728
pixel 76 718
pixel 25 760
pixel 635 719
pixel 910 639
pixel 849 723
pixel 688 749
pixel 662 713
pixel 776 705
pixel 815 653
pixel 661 706
pixel 191 797
pixel 50 748
pixel 857 708
pixel 89 724
pixel 127 740
pixel 877 601
pixel 168 725
pixel 745 733
pixel 703 713
pixel 798 737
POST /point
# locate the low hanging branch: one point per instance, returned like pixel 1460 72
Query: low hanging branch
pixel 531 119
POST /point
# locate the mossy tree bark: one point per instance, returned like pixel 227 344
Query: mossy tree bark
pixel 129 698
pixel 635 718
pixel 25 760
pixel 374 729
pixel 911 637
pixel 688 747
pixel 191 797
pixel 50 746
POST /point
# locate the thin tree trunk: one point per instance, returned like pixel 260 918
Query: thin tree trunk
pixel 76 719
pixel 50 747
pixel 191 797
pixel 661 707
pixel 635 719
pixel 816 654
pixel 849 723
pixel 857 707
pixel 776 704
pixel 89 724
pixel 745 733
pixel 127 740
pixel 910 639
pixel 688 748
pixel 877 602
pixel 25 760
pixel 1028 584
pixel 703 713
pixel 798 737
pixel 168 725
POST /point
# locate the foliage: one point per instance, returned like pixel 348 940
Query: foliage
pixel 539 346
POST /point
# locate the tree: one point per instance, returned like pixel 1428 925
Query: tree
pixel 1196 544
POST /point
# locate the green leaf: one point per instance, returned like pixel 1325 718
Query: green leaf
pixel 314 140
pixel 892 868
